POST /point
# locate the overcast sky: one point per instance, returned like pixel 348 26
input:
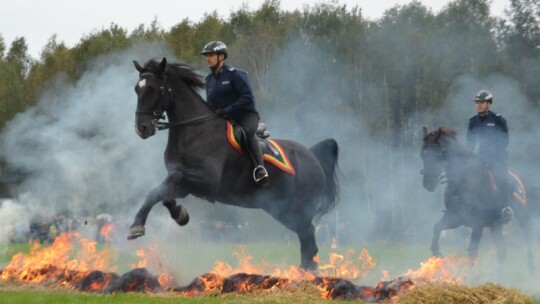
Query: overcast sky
pixel 70 20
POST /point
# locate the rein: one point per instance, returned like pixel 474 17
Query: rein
pixel 158 113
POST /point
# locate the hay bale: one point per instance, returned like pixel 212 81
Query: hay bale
pixel 488 293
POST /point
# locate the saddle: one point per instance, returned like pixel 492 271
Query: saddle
pixel 515 184
pixel 272 151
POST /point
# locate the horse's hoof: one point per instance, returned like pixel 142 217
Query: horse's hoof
pixel 135 232
pixel 183 216
pixel 310 266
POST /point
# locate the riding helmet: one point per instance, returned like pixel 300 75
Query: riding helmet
pixel 216 47
pixel 483 95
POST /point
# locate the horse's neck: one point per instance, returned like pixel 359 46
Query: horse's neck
pixel 459 159
pixel 187 104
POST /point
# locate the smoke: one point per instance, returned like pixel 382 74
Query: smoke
pixel 77 148
pixel 379 182
pixel 79 152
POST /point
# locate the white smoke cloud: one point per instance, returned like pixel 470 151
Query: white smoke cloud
pixel 78 147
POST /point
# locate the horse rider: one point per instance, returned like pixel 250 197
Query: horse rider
pixel 229 93
pixel 489 131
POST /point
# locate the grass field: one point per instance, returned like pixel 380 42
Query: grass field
pixel 187 262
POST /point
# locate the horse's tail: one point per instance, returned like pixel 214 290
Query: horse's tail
pixel 327 153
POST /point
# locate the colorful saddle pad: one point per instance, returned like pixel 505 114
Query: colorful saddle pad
pixel 272 151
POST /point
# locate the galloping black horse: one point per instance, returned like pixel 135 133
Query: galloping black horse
pixel 200 160
pixel 472 200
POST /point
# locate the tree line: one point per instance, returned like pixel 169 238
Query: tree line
pixel 407 58
pixel 393 73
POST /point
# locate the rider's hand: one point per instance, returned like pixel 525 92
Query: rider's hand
pixel 221 112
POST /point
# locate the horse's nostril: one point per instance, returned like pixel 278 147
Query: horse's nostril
pixel 422 172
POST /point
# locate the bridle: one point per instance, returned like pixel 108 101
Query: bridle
pixel 441 156
pixel 158 113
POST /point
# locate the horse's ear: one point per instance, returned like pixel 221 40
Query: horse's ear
pixel 425 131
pixel 162 66
pixel 137 66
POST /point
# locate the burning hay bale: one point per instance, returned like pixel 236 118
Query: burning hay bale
pixel 328 288
pixel 403 290
pixel 138 280
pixel 455 293
pixel 87 270
pixel 96 281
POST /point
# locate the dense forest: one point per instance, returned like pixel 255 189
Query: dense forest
pixel 374 83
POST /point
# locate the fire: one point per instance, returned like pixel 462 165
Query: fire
pixel 106 230
pixel 76 262
pixel 247 276
pixel 61 256
pixel 148 258
pixel 345 266
pixel 437 269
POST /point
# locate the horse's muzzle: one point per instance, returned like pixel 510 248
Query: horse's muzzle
pixel 145 130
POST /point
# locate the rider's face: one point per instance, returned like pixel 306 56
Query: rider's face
pixel 481 106
pixel 212 60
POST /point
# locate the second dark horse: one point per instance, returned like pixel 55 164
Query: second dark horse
pixel 201 162
pixel 472 203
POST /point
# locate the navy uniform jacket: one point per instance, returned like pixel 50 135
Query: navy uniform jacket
pixel 230 90
pixel 490 132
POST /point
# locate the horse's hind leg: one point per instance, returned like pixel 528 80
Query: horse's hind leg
pixel 308 246
pixel 153 197
pixel 476 236
pixel 301 224
pixel 524 220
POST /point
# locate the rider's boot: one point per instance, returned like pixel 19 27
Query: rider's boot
pixel 260 175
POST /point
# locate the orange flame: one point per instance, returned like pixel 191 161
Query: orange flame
pixel 149 258
pixel 106 230
pixel 69 252
pixel 448 269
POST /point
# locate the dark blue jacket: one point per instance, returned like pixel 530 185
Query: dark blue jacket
pixel 490 132
pixel 230 90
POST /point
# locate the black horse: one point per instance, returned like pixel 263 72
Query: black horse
pixel 201 161
pixel 472 200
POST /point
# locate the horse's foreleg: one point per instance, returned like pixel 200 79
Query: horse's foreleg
pixel 171 181
pixel 437 229
pixel 153 197
pixel 448 221
pixel 178 212
pixel 498 240
pixel 476 236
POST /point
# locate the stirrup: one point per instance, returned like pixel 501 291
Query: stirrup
pixel 263 178
pixel 507 214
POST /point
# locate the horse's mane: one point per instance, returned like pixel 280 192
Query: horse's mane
pixel 441 132
pixel 448 133
pixel 183 71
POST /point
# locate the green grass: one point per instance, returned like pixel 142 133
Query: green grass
pixel 46 297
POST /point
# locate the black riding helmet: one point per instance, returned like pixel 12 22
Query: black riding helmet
pixel 483 95
pixel 216 47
